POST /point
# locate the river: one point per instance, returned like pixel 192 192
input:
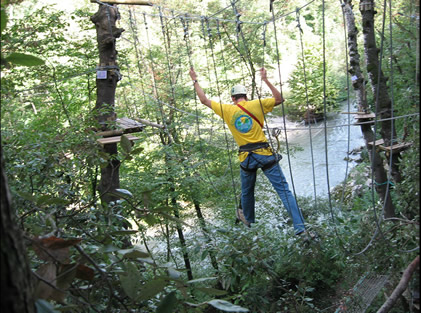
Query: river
pixel 337 134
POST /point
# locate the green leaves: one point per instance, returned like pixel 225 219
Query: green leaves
pixel 24 59
pixel 167 304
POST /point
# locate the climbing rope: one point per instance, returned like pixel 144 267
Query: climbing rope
pixel 300 31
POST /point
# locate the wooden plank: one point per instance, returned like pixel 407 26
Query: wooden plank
pixel 109 133
pixel 146 122
pixel 127 123
pixel 365 116
pixel 376 143
pixel 115 139
pixel 132 2
pixel 397 147
pixel 353 113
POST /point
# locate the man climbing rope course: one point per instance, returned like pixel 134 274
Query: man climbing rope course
pixel 245 120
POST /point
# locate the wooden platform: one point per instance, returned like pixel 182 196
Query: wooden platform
pixel 364 118
pixel 129 124
pixel 354 113
pixel 125 126
pixel 115 139
pixel 376 143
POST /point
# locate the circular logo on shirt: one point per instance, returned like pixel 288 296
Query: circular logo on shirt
pixel 243 123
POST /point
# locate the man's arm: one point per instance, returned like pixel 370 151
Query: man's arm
pixel 199 90
pixel 276 94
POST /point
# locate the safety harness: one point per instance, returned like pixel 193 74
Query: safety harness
pixel 250 148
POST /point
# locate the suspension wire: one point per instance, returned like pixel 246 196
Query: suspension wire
pixel 348 102
pixel 325 113
pixel 202 23
pixel 154 79
pixel 167 55
pixel 180 64
pixel 133 27
pixel 222 10
pixel 184 24
pixel 300 30
pixel 229 146
pixel 223 120
pixel 283 112
pixel 347 251
pixel 189 54
pixel 378 228
pixel 239 29
pixel 392 98
pixel 376 100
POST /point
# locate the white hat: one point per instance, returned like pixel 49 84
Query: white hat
pixel 238 90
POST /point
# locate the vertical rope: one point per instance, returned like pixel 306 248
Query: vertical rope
pixel 189 53
pixel 307 102
pixel 283 111
pixel 223 120
pixel 325 111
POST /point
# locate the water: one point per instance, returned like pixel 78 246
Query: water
pixel 298 135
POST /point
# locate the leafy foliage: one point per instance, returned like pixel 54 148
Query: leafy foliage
pixel 307 84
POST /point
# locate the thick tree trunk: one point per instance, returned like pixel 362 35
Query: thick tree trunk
pixel 16 281
pixel 107 33
pixel 378 83
pixel 358 83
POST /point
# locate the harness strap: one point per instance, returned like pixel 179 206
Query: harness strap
pixel 250 114
pixel 267 166
pixel 250 147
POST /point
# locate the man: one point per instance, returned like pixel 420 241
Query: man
pixel 245 120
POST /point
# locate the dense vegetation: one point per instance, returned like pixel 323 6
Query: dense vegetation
pixel 169 242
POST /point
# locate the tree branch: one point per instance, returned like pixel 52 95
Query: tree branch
pixel 401 287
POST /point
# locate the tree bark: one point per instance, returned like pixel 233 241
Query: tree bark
pixel 358 83
pixel 378 84
pixel 205 232
pixel 401 287
pixel 107 33
pixel 16 281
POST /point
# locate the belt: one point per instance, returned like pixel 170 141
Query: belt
pixel 250 147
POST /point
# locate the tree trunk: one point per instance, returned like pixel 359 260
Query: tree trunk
pixel 183 243
pixel 205 232
pixel 107 33
pixel 358 83
pixel 16 280
pixel 378 84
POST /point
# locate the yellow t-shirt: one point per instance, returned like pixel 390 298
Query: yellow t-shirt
pixel 244 128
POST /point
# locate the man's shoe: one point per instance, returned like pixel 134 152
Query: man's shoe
pixel 308 236
pixel 240 216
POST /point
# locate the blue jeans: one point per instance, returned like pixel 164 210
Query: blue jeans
pixel 248 181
